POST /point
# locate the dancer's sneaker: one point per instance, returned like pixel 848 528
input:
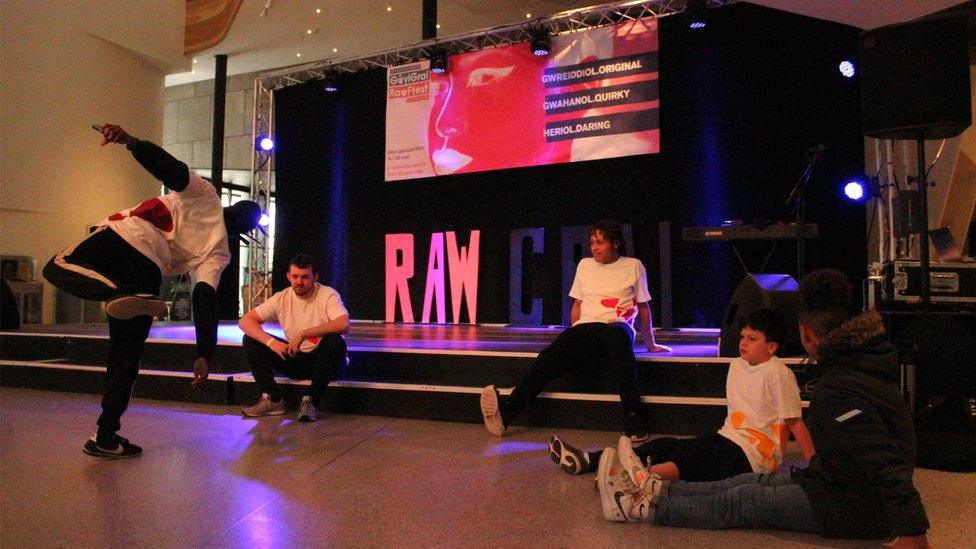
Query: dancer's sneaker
pixel 307 412
pixel 120 448
pixel 617 491
pixel 265 407
pixel 569 459
pixel 491 412
pixel 126 307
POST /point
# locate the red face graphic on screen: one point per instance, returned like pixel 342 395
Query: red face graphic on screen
pixel 487 112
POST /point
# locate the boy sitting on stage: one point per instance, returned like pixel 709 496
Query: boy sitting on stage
pixel 763 408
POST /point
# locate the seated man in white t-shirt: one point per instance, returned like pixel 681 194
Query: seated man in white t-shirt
pixel 609 293
pixel 763 409
pixel 314 320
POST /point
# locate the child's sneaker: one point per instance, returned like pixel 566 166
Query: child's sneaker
pixel 127 307
pixel 569 459
pixel 265 407
pixel 121 448
pixel 491 412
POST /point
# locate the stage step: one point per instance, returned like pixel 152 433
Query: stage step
pixel 684 395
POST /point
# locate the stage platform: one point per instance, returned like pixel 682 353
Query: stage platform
pixel 420 371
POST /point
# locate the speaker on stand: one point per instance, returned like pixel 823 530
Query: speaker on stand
pixel 915 85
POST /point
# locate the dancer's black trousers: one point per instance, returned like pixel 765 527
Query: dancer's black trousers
pixel 89 270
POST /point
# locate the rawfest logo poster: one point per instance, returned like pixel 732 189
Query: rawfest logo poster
pixel 596 96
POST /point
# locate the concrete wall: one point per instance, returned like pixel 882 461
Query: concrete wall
pixel 188 122
pixel 55 180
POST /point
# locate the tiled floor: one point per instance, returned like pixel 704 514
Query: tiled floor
pixel 210 478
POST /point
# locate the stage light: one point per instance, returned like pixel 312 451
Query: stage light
pixel 265 143
pixel 847 68
pixel 854 190
pixel 264 219
pixel 541 43
pixel 696 13
pixel 331 82
pixel 439 61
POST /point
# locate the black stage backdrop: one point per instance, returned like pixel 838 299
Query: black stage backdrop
pixel 740 103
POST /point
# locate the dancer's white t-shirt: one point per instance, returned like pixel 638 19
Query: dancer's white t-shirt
pixel 295 314
pixel 181 231
pixel 610 292
pixel 760 399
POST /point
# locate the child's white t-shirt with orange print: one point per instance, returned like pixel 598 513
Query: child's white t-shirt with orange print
pixel 760 400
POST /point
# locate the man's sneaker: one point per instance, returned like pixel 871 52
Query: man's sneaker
pixel 617 491
pixel 569 459
pixel 620 499
pixel 130 306
pixel 265 407
pixel 491 412
pixel 631 461
pixel 121 448
pixel 306 412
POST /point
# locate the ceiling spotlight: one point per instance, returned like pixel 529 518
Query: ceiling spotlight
pixel 265 143
pixel 541 42
pixel 696 14
pixel 847 68
pixel 439 61
pixel 331 82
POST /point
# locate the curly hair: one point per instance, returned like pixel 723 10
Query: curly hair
pixel 611 231
pixel 826 296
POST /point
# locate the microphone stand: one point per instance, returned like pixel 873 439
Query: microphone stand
pixel 796 198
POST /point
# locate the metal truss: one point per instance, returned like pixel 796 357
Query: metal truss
pixel 257 278
pixel 561 23
pixel 264 86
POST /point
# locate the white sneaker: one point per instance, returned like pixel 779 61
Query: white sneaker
pixel 620 499
pixel 631 462
pixel 490 411
pixel 265 407
pixel 615 487
pixel 307 412
pixel 127 307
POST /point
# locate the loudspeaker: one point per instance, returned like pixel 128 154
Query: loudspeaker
pixel 757 291
pixel 915 80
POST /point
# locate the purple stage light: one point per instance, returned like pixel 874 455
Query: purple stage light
pixel 854 190
pixel 264 220
pixel 265 143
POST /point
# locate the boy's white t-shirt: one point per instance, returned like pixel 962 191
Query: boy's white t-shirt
pixel 610 292
pixel 760 399
pixel 295 314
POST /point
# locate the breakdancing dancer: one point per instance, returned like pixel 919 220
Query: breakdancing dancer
pixel 122 263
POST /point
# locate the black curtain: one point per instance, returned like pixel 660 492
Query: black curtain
pixel 740 103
